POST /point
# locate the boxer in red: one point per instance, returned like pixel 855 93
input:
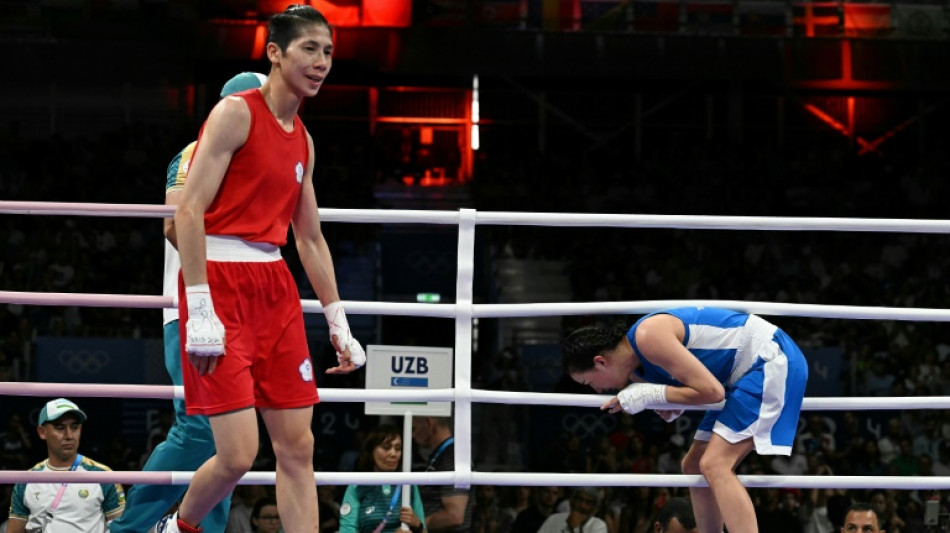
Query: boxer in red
pixel 251 178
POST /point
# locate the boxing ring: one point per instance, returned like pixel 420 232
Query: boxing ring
pixel 464 311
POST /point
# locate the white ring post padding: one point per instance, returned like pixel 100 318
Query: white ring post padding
pixel 463 347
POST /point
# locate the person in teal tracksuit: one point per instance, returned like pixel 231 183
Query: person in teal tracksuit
pixel 378 508
pixel 189 442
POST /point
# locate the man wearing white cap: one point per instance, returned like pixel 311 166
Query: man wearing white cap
pixel 64 507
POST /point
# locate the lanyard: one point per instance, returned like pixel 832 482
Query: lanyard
pixel 62 487
pixel 392 505
pixel 448 442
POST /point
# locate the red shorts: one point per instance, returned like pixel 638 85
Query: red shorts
pixel 266 361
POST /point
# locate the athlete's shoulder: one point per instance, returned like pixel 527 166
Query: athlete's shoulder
pixel 178 168
pixel 230 123
pixel 93 465
pixel 239 103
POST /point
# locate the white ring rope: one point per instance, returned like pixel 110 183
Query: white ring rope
pixel 463 311
pixel 915 314
pixel 411 216
pixel 494 478
pixel 331 395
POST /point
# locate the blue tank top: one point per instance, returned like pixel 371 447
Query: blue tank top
pixel 714 335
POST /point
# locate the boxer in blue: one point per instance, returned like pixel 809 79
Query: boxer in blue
pixel 699 356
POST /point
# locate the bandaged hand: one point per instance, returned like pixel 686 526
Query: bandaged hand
pixel 342 338
pixel 639 396
pixel 204 332
pixel 668 415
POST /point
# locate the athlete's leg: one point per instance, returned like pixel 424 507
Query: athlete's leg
pixel 718 465
pixel 235 437
pixel 292 440
pixel 187 446
pixel 708 517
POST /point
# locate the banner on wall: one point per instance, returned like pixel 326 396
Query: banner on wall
pixel 920 22
pixel 95 360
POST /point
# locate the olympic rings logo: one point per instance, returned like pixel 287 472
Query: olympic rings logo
pixel 588 424
pixel 83 361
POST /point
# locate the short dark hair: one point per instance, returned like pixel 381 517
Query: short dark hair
pixel 861 507
pixel 381 434
pixel 260 504
pixel 284 27
pixel 678 508
pixel 447 422
pixel 579 348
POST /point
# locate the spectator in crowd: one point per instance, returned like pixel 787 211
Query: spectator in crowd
pixel 329 504
pixel 487 514
pixel 15 444
pixel 86 507
pixel 264 516
pixel 514 499
pixel 543 501
pixel 941 466
pixel 906 463
pixel 816 438
pixel 878 381
pixel 580 518
pixel 862 518
pixel 884 504
pixel 378 508
pixel 242 507
pixel 447 508
pixel 850 440
pixel 928 439
pixel 777 510
pixel 676 516
pixel 890 444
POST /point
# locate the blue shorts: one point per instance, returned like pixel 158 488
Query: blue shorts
pixel 765 402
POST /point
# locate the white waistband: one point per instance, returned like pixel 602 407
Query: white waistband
pixel 237 250
pixel 755 341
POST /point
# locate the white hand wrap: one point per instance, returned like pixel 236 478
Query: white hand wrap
pixel 205 333
pixel 336 319
pixel 669 415
pixel 640 396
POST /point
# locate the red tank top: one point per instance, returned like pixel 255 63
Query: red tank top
pixel 259 192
